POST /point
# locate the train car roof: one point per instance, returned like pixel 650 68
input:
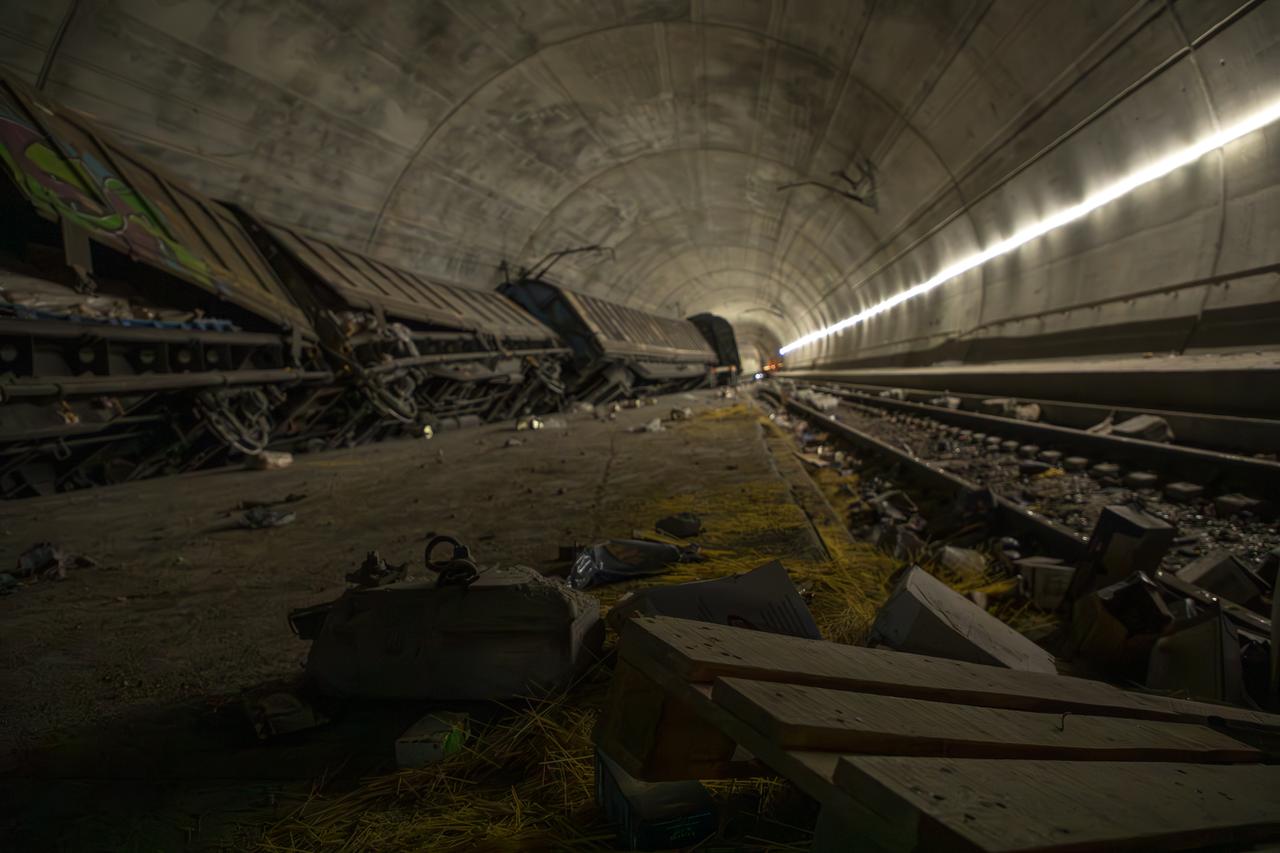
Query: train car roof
pixel 369 283
pixel 74 172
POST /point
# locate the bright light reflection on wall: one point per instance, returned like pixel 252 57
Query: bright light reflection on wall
pixel 1122 187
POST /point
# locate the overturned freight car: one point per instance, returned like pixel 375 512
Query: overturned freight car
pixel 140 330
pixel 617 351
pixel 422 354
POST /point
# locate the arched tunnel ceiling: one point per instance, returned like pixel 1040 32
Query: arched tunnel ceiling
pixel 451 136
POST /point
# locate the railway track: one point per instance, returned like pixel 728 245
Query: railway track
pixel 1019 467
pixel 1215 470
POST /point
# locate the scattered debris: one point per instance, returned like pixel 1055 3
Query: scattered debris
pixel 1124 540
pixel 1044 580
pixel 1269 568
pixel 45 561
pixel 511 632
pixel 1102 427
pixel 375 571
pixel 435 736
pixel 306 622
pixel 894 505
pixel 964 563
pixel 684 525
pixel 1115 627
pixel 899 540
pixel 811 459
pixel 1227 576
pixel 925 616
pixel 684 414
pixel 1200 660
pixel 260 517
pixel 1027 411
pixel 268 460
pixel 277 709
pixel 625 559
pixel 946 401
pixel 458 569
pixel 763 599
pixel 654 425
pixel 555 423
pixel 512 442
pixel 1145 427
pixel 255 504
pixel 653 815
pixel 529 423
pixel 582 406
pixel 818 400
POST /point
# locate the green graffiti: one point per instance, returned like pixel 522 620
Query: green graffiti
pixel 68 186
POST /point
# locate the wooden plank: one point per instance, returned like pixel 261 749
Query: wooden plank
pixel 1028 805
pixel 811 770
pixel 702 652
pixel 799 717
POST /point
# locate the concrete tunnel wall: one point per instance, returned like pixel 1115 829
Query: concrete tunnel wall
pixel 452 136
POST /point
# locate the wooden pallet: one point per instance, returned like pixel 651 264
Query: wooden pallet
pixel 906 752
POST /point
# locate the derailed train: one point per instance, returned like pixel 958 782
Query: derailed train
pixel 146 329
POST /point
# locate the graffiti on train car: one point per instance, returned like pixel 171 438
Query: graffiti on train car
pixel 80 187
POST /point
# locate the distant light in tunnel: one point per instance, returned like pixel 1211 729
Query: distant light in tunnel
pixel 1122 187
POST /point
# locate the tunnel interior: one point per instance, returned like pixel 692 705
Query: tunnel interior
pixel 784 164
pixel 734 425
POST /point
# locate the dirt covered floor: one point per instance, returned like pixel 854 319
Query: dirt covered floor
pixel 122 727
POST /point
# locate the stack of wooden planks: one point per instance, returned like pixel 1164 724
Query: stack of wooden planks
pixel 907 752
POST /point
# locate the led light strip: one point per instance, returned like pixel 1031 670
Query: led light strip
pixel 1122 187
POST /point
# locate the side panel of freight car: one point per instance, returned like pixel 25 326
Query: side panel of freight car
pixel 140 330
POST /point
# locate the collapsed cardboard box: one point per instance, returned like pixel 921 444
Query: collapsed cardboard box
pixel 1200 660
pixel 1114 628
pixel 1226 575
pixel 925 616
pixel 512 632
pixel 653 815
pixel 1044 580
pixel 763 599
